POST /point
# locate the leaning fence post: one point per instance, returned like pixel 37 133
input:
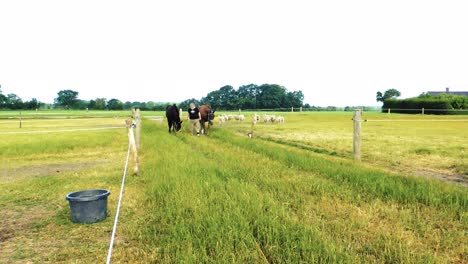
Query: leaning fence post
pixel 131 141
pixel 357 119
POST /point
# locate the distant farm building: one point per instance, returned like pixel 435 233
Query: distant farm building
pixel 447 91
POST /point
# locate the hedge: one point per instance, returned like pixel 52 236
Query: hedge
pixel 431 105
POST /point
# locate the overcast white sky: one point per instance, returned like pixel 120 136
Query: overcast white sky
pixel 337 52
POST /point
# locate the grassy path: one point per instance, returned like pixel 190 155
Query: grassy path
pixel 224 198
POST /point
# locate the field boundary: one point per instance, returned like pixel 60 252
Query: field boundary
pixel 60 130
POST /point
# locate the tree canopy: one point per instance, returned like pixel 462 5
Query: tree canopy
pixel 115 104
pixel 14 102
pixel 252 96
pixel 67 99
pixel 389 94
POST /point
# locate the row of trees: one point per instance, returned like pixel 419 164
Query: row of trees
pixel 68 99
pixel 13 101
pixel 252 96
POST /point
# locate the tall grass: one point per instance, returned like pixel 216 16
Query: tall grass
pixel 404 189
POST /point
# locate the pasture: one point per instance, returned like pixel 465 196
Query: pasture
pixel 289 194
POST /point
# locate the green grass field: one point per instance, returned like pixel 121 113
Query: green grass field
pixel 423 145
pixel 290 194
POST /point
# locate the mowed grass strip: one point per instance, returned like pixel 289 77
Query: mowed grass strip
pixel 224 198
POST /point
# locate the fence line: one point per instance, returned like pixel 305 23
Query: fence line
pixel 116 219
pixel 60 130
pixel 425 109
pixel 57 117
pixel 415 120
pixel 133 140
pixel 154 118
pixel 337 109
pixel 33 120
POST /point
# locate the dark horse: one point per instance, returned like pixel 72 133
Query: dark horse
pixel 207 115
pixel 173 118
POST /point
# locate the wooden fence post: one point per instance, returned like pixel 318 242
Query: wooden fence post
pixel 300 109
pixel 357 119
pixel 137 119
pixel 388 111
pixel 20 119
pixel 422 112
pixel 133 146
pixel 292 108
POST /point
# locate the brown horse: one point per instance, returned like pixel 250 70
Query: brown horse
pixel 207 115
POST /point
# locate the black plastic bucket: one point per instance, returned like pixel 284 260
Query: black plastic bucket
pixel 88 206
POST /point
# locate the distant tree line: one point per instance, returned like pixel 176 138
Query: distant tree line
pixel 68 99
pixel 250 97
pixel 14 102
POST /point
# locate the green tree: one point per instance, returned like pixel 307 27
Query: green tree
pixel 92 105
pixel 271 96
pixel 214 99
pixel 224 98
pixel 3 99
pixel 294 99
pixel 14 102
pixel 100 103
pixel 127 105
pixel 33 104
pixel 67 99
pixel 151 105
pixel 389 94
pixel 115 104
pixel 247 96
pixel 143 106
pixel 81 104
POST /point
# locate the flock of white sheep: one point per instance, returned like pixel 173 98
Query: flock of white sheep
pixel 255 118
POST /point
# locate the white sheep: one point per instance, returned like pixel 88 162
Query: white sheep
pixel 279 120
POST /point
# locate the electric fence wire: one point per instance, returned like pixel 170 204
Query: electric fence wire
pixel 114 229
